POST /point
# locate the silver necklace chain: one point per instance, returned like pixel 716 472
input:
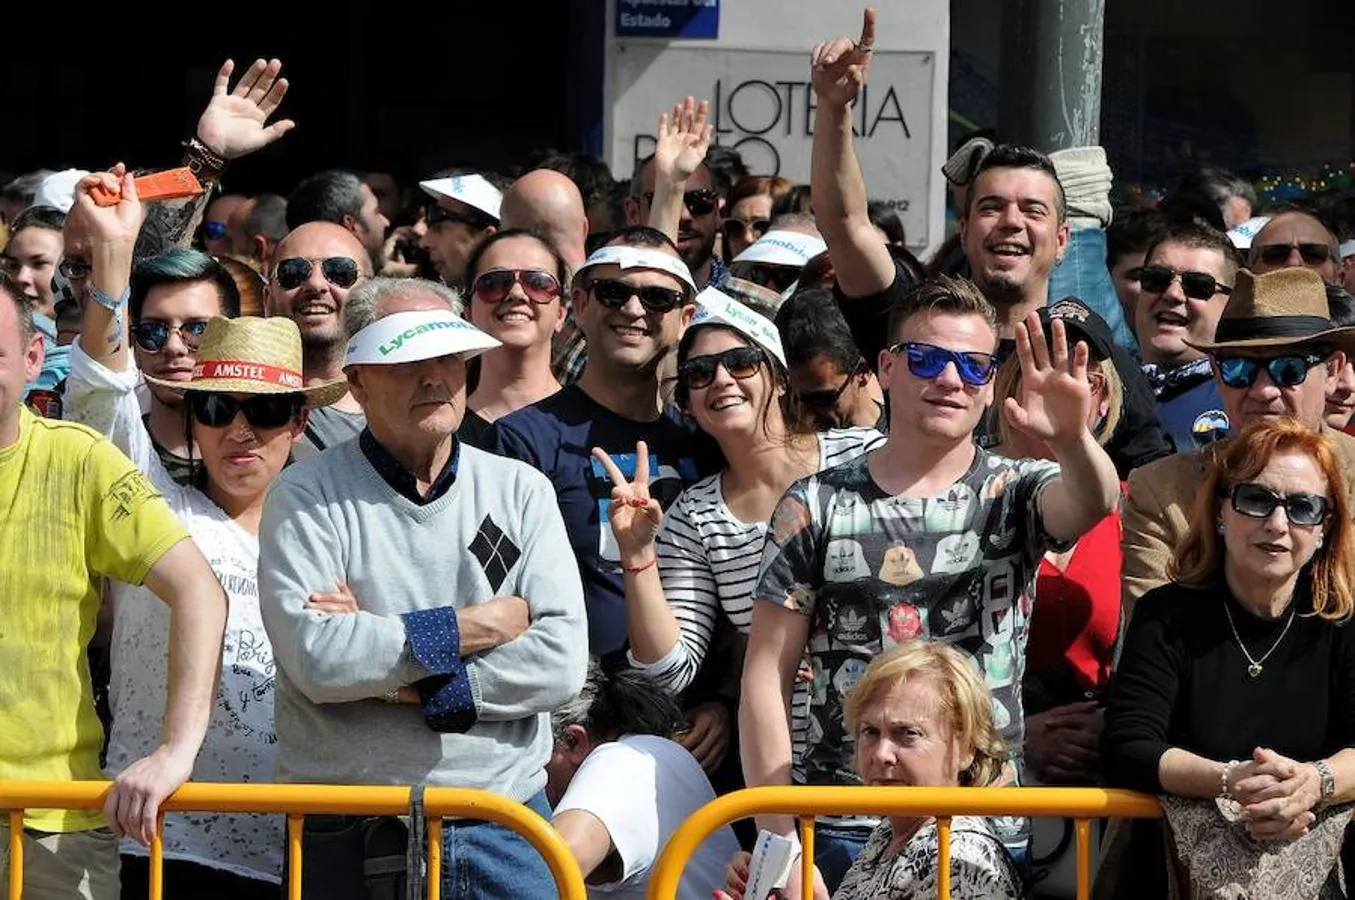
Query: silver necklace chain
pixel 1254 669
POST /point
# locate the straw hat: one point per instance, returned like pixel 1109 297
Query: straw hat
pixel 1283 308
pixel 250 355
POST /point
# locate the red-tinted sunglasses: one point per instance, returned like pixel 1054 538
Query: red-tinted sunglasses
pixel 540 287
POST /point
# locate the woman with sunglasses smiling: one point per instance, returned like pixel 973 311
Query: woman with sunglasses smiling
pixel 245 406
pixel 515 279
pixel 732 381
pixel 1234 684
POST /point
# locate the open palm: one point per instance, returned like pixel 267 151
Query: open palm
pixel 683 140
pixel 235 122
pixel 1055 394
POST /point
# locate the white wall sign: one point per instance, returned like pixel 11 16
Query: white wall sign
pixel 763 104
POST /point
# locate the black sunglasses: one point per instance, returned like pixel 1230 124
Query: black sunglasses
pixel 1195 285
pixel 339 271
pixel 539 286
pixel 261 411
pixel 735 229
pixel 1312 254
pixel 698 202
pixel 929 361
pixel 151 335
pixel 615 294
pixel 75 268
pixel 1285 371
pixel 435 215
pixel 1256 501
pixel 697 372
pixel 827 399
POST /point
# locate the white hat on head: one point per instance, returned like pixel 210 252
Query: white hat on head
pixel 1348 249
pixel 415 336
pixel 640 258
pixel 783 248
pixel 58 189
pixel 1242 234
pixel 715 307
pixel 472 190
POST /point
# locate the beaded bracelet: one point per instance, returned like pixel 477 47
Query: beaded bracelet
pixel 1223 778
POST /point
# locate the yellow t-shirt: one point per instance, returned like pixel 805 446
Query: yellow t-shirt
pixel 72 508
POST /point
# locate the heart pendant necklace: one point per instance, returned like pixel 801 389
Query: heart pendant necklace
pixel 1255 667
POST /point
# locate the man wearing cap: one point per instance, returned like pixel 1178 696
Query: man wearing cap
pixel 632 297
pixel 776 259
pixel 422 604
pixel 75 510
pixel 1274 352
pixel 464 208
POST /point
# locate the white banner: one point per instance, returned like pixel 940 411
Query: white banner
pixel 763 105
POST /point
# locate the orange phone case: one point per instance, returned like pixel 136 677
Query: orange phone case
pixel 171 184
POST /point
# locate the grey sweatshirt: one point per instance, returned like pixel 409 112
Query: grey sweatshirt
pixel 497 531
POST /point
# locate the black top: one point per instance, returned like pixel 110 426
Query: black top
pixel 401 480
pixel 1183 682
pixel 474 429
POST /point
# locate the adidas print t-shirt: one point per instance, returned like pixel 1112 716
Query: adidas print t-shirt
pixel 872 570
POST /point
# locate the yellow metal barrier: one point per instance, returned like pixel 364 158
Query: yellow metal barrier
pixel 804 803
pixel 296 801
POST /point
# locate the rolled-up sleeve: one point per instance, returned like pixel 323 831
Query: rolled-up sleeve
pixel 434 637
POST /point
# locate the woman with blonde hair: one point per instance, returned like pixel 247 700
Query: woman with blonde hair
pixel 921 716
pixel 1237 681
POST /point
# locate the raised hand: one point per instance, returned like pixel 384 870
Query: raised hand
pixel 634 515
pixel 108 225
pixel 683 140
pixel 838 67
pixel 1056 396
pixel 235 122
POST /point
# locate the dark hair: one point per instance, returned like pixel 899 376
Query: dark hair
pixel 1340 306
pixel 478 253
pixel 780 377
pixel 944 294
pixel 1198 237
pixel 641 236
pixel 1133 231
pixel 268 217
pixel 613 203
pixel 755 186
pixel 27 327
pixel 884 217
pixel 795 200
pixel 1015 156
pixel 590 175
pixel 618 700
pixel 726 167
pixel 48 217
pixel 325 197
pixel 1201 193
pixel 636 184
pixel 811 324
pixel 178 266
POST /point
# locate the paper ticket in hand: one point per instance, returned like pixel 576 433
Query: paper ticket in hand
pixel 769 869
pixel 171 184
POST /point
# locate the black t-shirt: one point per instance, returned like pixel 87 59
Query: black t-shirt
pixel 868 317
pixel 474 430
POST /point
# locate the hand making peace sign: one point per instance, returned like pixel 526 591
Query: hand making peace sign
pixel 635 516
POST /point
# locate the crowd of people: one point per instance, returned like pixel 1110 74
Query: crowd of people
pixel 611 496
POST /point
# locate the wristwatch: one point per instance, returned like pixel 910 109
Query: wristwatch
pixel 1328 782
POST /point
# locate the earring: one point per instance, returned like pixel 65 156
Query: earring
pixel 1319 542
pixel 1220 526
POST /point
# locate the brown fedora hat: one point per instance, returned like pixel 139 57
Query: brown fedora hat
pixel 250 355
pixel 1283 308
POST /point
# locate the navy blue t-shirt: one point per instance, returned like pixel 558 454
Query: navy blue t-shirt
pixel 557 435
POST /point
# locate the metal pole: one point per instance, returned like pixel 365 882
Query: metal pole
pixel 1051 73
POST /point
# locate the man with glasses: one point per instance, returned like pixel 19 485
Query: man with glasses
pixel 314 268
pixel 929 536
pixel 1184 284
pixel 834 386
pixel 1295 238
pixel 1274 353
pixel 698 226
pixel 632 298
pixel 464 209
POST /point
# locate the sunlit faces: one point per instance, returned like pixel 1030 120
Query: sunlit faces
pixel 182 307
pixel 741 391
pixel 450 237
pixel 242 458
pixel 1273 549
pixel 371 225
pixel 1293 239
pixel 627 336
pixel 698 226
pixel 1125 276
pixel 1164 321
pixel 904 739
pixel 1263 400
pixel 20 362
pixel 517 320
pixel 1012 236
pixel 1340 403
pixel 31 258
pixel 944 407
pixel 316 304
pixel 745 222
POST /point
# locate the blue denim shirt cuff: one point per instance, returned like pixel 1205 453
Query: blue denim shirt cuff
pixel 435 643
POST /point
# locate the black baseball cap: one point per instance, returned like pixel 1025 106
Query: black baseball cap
pixel 1081 323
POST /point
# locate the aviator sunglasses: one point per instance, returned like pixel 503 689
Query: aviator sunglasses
pixel 740 362
pixel 541 287
pixel 1257 501
pixel 929 361
pixel 339 271
pixel 1195 285
pixel 1285 371
pixel 261 410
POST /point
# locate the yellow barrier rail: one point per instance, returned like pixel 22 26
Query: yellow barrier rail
pixel 296 801
pixel 804 803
